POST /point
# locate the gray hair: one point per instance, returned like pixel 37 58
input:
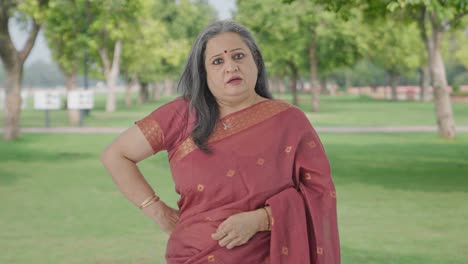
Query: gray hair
pixel 193 81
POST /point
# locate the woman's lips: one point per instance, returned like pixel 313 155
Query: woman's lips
pixel 235 81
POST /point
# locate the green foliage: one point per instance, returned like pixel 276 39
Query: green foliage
pixel 35 9
pixel 158 48
pixel 66 34
pixel 286 31
pixel 396 47
pixel 277 32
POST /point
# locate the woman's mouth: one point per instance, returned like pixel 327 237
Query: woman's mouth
pixel 235 80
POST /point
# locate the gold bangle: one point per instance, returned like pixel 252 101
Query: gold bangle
pixel 155 199
pixel 268 217
pixel 148 201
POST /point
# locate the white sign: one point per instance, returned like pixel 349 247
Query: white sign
pixel 24 99
pixel 81 99
pixel 47 100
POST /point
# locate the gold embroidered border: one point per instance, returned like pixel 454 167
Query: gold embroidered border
pixel 152 132
pixel 239 122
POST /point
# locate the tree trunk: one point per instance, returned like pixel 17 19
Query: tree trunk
pixel 128 94
pixel 282 86
pixel 70 84
pixel 347 79
pixel 394 80
pixel 11 115
pixel 275 84
pixel 168 87
pixel 293 83
pixel 13 61
pixel 443 105
pixel 323 86
pixel 131 83
pixel 314 83
pixel 111 73
pixel 425 83
pixel 155 87
pixel 143 95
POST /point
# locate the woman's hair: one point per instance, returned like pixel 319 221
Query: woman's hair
pixel 193 82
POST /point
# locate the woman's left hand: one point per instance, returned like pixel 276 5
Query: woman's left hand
pixel 237 229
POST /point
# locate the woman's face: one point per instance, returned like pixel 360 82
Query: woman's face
pixel 230 67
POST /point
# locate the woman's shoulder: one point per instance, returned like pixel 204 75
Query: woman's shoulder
pixel 176 104
pixel 290 109
pixel 292 113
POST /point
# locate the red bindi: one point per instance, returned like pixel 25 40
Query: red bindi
pixel 225 51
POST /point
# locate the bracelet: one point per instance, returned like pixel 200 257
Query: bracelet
pixel 268 217
pixel 149 201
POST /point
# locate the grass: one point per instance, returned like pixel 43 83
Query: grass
pixel 402 199
pixel 335 111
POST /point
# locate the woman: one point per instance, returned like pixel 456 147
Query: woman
pixel 252 174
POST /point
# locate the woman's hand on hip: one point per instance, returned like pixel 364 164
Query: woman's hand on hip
pixel 237 229
pixel 165 216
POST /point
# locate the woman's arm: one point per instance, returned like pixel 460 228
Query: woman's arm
pixel 120 159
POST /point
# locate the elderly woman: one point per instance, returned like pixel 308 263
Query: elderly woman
pixel 253 177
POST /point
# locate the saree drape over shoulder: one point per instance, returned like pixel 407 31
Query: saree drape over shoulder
pixel 266 154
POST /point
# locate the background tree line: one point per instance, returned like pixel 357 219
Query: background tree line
pixel 144 44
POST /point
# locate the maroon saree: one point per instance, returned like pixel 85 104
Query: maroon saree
pixel 268 154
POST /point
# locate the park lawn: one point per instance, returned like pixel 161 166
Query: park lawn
pixel 344 110
pixel 401 199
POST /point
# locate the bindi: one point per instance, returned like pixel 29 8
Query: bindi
pixel 225 51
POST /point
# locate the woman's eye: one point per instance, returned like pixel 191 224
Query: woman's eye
pixel 239 56
pixel 217 61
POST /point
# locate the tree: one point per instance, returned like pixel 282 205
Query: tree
pixel 157 50
pixel 64 31
pixel 184 20
pixel 32 12
pixel 395 48
pixel 109 22
pixel 434 17
pixel 441 16
pixel 303 37
pixel 274 27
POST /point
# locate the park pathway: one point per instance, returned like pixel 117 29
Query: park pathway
pixel 344 129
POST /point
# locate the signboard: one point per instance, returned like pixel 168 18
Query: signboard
pixel 80 99
pixel 47 100
pixel 24 99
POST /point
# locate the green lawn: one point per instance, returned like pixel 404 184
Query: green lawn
pixel 402 199
pixel 335 111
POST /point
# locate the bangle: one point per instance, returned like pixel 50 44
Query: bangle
pixel 148 201
pixel 268 217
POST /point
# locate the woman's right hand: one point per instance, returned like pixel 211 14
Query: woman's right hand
pixel 165 216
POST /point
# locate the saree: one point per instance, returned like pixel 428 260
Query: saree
pixel 265 155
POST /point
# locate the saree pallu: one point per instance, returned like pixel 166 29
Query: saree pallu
pixel 266 154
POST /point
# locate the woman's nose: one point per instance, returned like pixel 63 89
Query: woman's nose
pixel 231 66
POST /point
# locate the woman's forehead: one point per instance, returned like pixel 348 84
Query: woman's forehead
pixel 224 43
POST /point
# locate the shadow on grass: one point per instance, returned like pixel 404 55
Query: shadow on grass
pixel 427 166
pixel 23 155
pixel 16 155
pixel 351 256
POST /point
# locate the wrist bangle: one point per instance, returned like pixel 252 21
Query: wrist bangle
pixel 148 201
pixel 268 217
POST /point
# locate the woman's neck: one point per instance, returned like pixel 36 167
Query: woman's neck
pixel 227 107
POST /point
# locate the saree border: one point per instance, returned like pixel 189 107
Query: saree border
pixel 152 132
pixel 234 124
